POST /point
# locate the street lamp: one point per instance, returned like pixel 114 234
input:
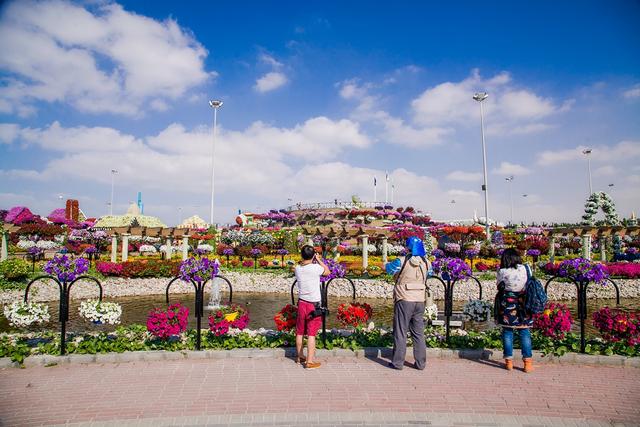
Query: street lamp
pixel 509 179
pixel 524 219
pixel 481 96
pixel 587 152
pixel 215 104
pixel 113 174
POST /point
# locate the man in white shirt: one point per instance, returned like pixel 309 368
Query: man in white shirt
pixel 308 273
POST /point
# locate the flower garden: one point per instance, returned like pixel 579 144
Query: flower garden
pixel 66 246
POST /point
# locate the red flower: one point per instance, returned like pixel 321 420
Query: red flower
pixel 286 318
pixel 354 314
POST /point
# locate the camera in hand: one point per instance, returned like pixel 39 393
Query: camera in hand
pixel 318 310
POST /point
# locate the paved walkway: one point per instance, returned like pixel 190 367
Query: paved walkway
pixel 345 391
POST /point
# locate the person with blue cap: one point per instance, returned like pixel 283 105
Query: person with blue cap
pixel 409 294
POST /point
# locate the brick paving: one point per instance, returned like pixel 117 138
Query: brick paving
pixel 345 391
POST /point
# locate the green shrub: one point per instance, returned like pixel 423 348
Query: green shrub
pixel 15 269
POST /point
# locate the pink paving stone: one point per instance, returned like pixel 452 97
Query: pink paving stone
pixel 182 388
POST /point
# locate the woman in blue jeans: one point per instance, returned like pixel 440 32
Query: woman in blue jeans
pixel 511 314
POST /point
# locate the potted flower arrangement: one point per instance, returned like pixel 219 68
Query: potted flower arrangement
pixel 165 323
pixel 286 318
pixel 354 314
pixel 100 312
pixel 226 317
pixel 554 322
pixel 23 314
pixel 477 310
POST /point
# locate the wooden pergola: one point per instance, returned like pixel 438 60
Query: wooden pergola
pixel 587 233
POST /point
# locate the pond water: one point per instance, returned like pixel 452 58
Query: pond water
pixel 262 307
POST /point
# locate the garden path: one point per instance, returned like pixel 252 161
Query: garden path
pixel 345 391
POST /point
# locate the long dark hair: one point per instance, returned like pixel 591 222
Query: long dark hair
pixel 510 258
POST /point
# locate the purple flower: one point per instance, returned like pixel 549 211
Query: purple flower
pixel 452 247
pixel 65 268
pixel 91 250
pixel 256 252
pixel 471 253
pixel 227 251
pixel 451 268
pixel 198 269
pixel 282 252
pixel 581 269
pixel 35 251
pixel 337 270
pixel 438 253
pixel 533 252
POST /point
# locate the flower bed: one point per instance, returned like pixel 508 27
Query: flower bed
pixel 554 322
pixel 139 268
pixel 165 323
pixel 226 317
pixel 137 338
pixel 617 325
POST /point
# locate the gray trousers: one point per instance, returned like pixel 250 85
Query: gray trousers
pixel 408 317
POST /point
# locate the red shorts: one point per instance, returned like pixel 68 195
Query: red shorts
pixel 305 324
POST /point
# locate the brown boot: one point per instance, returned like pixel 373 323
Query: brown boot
pixel 508 364
pixel 528 365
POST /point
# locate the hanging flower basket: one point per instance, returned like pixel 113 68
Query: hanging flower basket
pixel 165 323
pixel 23 314
pixel 65 268
pixel 101 312
pixel 226 317
pixel 477 310
pixel 286 318
pixel 198 269
pixel 354 314
pixel 451 268
pixel 581 269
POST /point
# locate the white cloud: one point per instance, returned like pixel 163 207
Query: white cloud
pixel 463 194
pixel 605 171
pixel 625 150
pixel 109 61
pixel 507 168
pixel 271 61
pixel 8 132
pixel 464 176
pixel 394 129
pixel 633 92
pixel 508 110
pixel 270 81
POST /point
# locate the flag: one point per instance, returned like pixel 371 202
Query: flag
pixel 374 181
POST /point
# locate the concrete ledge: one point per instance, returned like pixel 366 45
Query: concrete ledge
pixel 289 352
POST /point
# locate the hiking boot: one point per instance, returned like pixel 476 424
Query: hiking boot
pixel 312 365
pixel 528 365
pixel 508 364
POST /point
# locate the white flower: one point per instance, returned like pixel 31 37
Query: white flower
pixel 205 247
pixel 101 312
pixel 25 244
pixel 431 312
pixel 147 249
pixel 47 244
pixel 22 314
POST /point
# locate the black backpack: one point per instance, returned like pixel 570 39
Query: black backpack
pixel 536 297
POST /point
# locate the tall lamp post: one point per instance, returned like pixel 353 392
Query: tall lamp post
pixel 215 104
pixel 587 152
pixel 509 179
pixel 481 96
pixel 113 174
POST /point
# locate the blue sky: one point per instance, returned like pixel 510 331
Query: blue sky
pixel 318 99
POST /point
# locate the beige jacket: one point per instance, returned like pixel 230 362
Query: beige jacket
pixel 411 282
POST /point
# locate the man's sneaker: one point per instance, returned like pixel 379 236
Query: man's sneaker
pixel 312 365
